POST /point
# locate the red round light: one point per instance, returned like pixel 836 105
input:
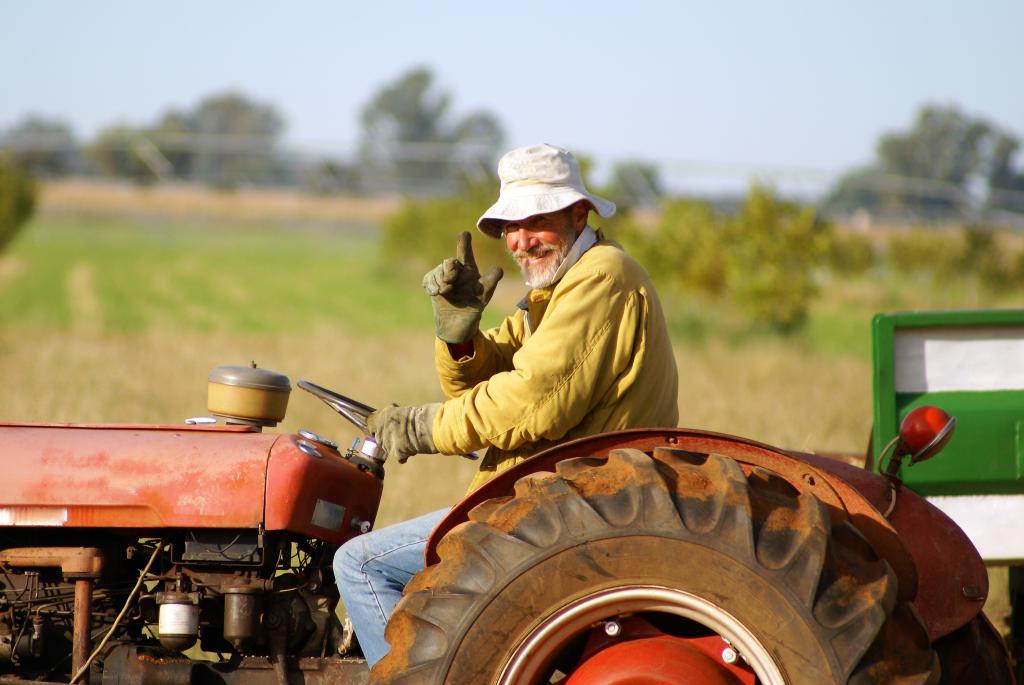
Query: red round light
pixel 920 427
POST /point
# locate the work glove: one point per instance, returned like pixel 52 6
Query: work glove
pixel 459 294
pixel 404 431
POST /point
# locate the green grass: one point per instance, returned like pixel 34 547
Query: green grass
pixel 204 277
pixel 832 328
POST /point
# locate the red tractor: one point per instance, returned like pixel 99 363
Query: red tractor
pixel 165 554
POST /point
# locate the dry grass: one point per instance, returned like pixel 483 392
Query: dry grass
pixel 9 270
pixel 777 393
pixel 169 201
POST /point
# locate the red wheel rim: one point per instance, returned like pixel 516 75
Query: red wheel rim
pixel 653 661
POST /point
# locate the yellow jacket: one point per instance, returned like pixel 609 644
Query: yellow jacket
pixel 588 355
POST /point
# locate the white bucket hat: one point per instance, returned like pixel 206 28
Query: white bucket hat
pixel 538 179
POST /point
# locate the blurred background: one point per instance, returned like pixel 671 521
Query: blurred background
pixel 204 184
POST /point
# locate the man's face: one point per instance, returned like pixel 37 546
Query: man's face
pixel 540 243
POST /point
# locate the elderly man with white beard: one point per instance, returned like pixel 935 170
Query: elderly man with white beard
pixel 586 351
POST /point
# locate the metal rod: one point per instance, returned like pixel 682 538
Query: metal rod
pixel 84 670
pixel 83 616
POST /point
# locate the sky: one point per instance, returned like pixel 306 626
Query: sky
pixel 714 87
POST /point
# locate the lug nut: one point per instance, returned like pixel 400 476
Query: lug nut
pixel 730 655
pixel 612 628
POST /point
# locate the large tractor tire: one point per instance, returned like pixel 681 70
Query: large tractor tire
pixel 655 551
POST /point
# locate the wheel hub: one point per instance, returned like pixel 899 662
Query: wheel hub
pixel 652 661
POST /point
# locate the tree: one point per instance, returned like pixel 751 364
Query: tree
pixel 935 168
pixel 114 152
pixel 173 136
pixel 408 137
pixel 480 137
pixel 408 110
pixel 225 140
pixel 237 139
pixel 1005 177
pixel 943 145
pixel 329 176
pixel 41 146
pixel 634 183
pixel 17 199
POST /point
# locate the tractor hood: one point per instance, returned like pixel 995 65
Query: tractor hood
pixel 133 476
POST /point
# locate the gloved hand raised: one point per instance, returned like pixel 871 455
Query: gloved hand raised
pixel 459 294
pixel 404 431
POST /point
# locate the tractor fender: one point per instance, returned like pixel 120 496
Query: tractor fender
pixel 952 579
pixel 937 567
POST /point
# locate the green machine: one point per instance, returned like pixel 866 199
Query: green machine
pixel 971 364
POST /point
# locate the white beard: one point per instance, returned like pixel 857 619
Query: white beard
pixel 543 275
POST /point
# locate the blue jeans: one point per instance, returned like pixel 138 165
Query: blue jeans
pixel 373 569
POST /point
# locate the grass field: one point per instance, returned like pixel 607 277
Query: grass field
pixel 120 318
pixel 123 276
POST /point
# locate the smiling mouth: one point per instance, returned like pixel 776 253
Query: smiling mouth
pixel 527 258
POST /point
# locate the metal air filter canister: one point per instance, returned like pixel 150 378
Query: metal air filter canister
pixel 179 620
pixel 247 394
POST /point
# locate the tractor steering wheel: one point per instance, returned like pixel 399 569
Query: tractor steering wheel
pixel 355 412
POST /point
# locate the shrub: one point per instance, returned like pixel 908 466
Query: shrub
pixel 850 254
pixel 990 262
pixel 691 246
pixel 423 232
pixel 773 248
pixel 1016 268
pixel 923 250
pixel 685 248
pixel 17 200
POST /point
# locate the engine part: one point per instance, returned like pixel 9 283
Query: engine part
pixel 178 624
pixel 287 619
pixel 316 437
pixel 73 562
pixel 12 646
pixel 223 546
pixel 241 615
pixel 82 620
pixel 38 624
pixel 81 564
pixel 248 394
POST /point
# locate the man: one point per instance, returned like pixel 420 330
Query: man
pixel 586 352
